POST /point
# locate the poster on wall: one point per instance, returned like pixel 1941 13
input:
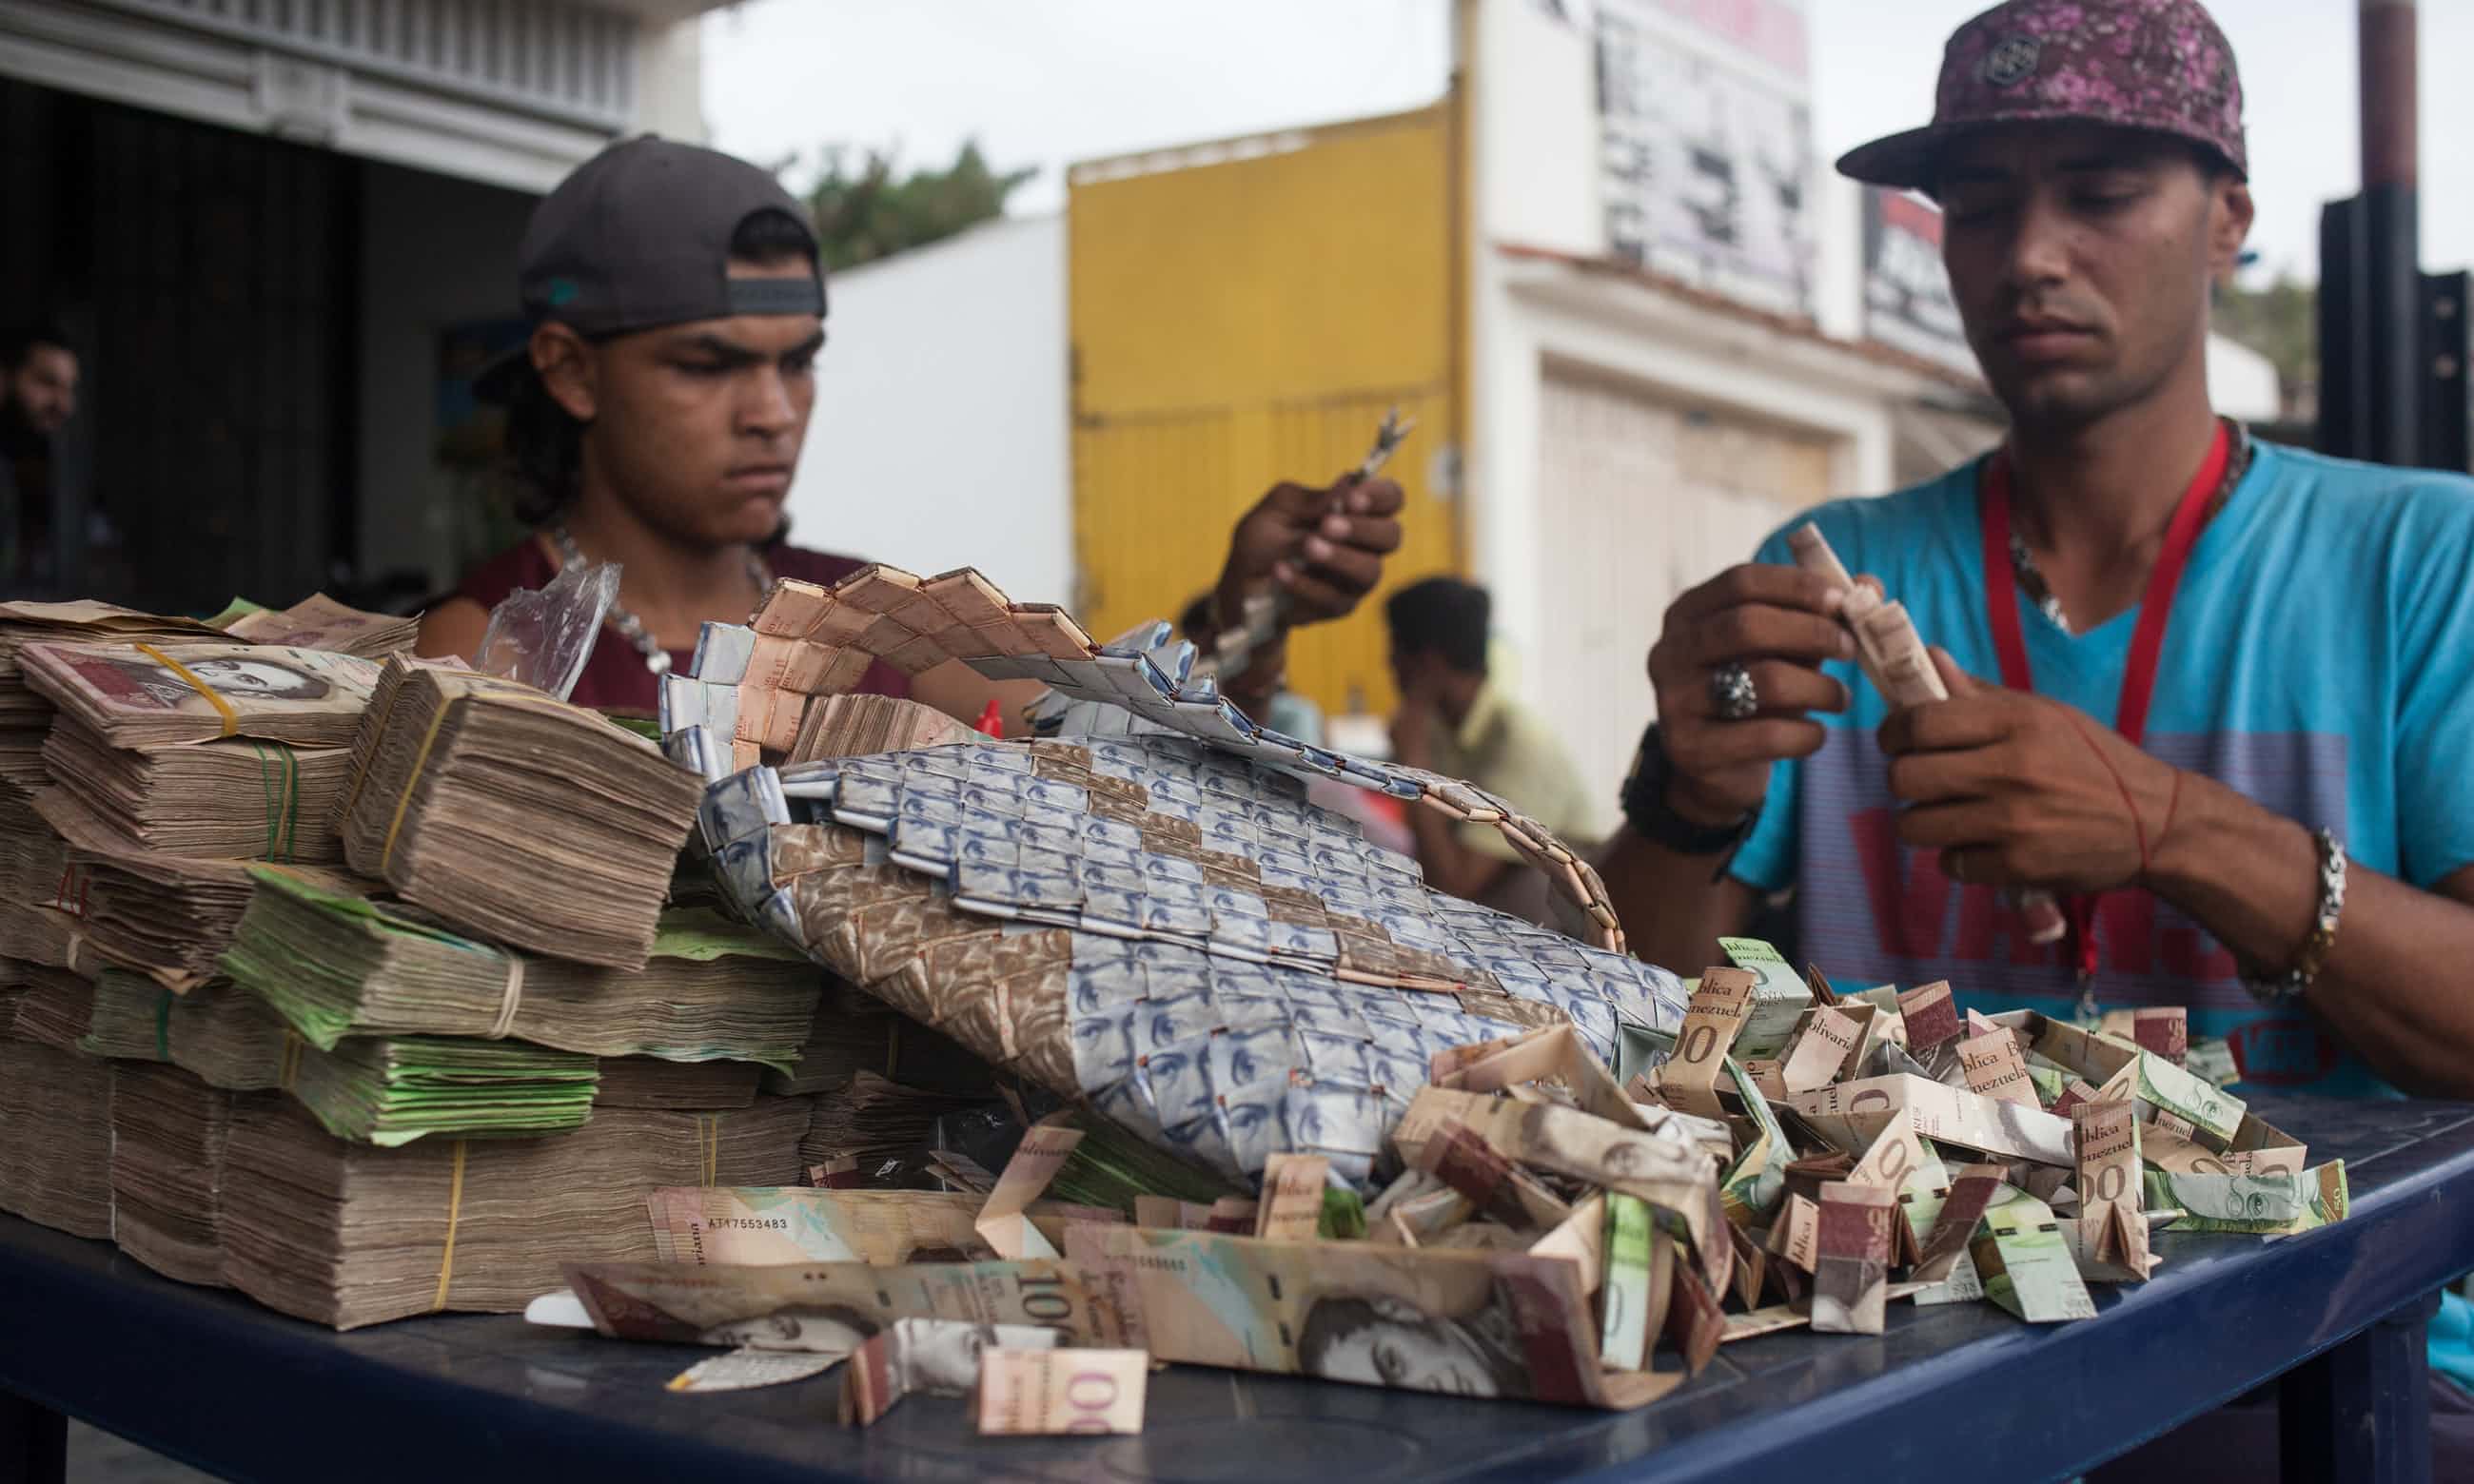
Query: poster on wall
pixel 1707 163
pixel 1908 302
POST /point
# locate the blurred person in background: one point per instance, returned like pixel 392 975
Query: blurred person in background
pixel 656 411
pixel 1262 692
pixel 39 387
pixel 1454 720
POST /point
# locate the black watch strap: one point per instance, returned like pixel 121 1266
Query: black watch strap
pixel 1645 809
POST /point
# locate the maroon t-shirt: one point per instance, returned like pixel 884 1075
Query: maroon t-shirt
pixel 615 678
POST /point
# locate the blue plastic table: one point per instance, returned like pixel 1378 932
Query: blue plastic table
pixel 216 1382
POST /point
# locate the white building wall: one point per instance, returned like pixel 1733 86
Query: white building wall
pixel 1583 541
pixel 1599 579
pixel 669 82
pixel 941 434
pixel 1533 179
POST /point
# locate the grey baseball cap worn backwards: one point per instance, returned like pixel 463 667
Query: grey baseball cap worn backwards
pixel 2160 66
pixel 639 237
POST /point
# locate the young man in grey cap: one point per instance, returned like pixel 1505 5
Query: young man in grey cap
pixel 2254 810
pixel 656 414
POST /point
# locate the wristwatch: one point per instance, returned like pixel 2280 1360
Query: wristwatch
pixel 1645 809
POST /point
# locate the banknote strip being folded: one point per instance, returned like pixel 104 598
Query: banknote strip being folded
pixel 1894 658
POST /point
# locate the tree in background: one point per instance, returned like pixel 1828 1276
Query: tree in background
pixel 2280 322
pixel 865 214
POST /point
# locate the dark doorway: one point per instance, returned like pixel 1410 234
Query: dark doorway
pixel 210 277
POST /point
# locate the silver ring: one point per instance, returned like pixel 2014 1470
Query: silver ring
pixel 1730 688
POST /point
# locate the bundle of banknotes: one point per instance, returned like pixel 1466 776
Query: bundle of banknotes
pixel 348 1234
pixel 468 791
pixel 33 859
pixel 650 1081
pixel 854 1032
pixel 168 1130
pixel 168 916
pixel 56 1154
pixel 47 935
pixel 236 799
pixel 25 716
pixel 177 985
pixel 319 622
pixel 874 1119
pixel 168 750
pixel 138 694
pixel 335 964
pixel 218 1032
pixel 40 1003
pixel 392 1089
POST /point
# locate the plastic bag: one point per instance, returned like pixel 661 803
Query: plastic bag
pixel 543 638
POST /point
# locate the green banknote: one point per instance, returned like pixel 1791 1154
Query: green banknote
pixel 2272 1202
pixel 2025 1262
pixel 393 1089
pixel 1625 1343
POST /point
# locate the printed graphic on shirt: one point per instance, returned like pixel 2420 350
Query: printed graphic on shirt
pixel 1897 919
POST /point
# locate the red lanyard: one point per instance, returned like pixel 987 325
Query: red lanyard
pixel 2146 640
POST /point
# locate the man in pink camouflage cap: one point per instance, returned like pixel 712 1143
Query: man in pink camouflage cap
pixel 2211 693
pixel 2292 724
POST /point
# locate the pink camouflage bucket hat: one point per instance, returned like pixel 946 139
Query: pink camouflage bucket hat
pixel 2159 65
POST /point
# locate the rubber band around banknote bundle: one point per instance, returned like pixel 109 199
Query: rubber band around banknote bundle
pixel 510 996
pixel 288 1070
pixel 454 1218
pixel 280 779
pixel 223 708
pixel 708 1147
pixel 429 740
pixel 70 876
pixel 412 779
pixel 367 756
pixel 164 1027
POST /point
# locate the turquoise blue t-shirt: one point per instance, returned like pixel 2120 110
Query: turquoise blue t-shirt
pixel 2320 659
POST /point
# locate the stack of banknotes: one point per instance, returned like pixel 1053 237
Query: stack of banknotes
pixel 336 965
pixel 469 794
pixel 168 1130
pixel 369 1032
pixel 56 1156
pixel 347 1234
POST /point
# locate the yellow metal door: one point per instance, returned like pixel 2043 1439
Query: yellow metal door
pixel 1245 317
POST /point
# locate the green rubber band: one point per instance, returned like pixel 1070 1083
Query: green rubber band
pixel 279 779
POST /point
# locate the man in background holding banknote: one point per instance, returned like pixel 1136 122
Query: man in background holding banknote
pixel 2276 835
pixel 656 411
